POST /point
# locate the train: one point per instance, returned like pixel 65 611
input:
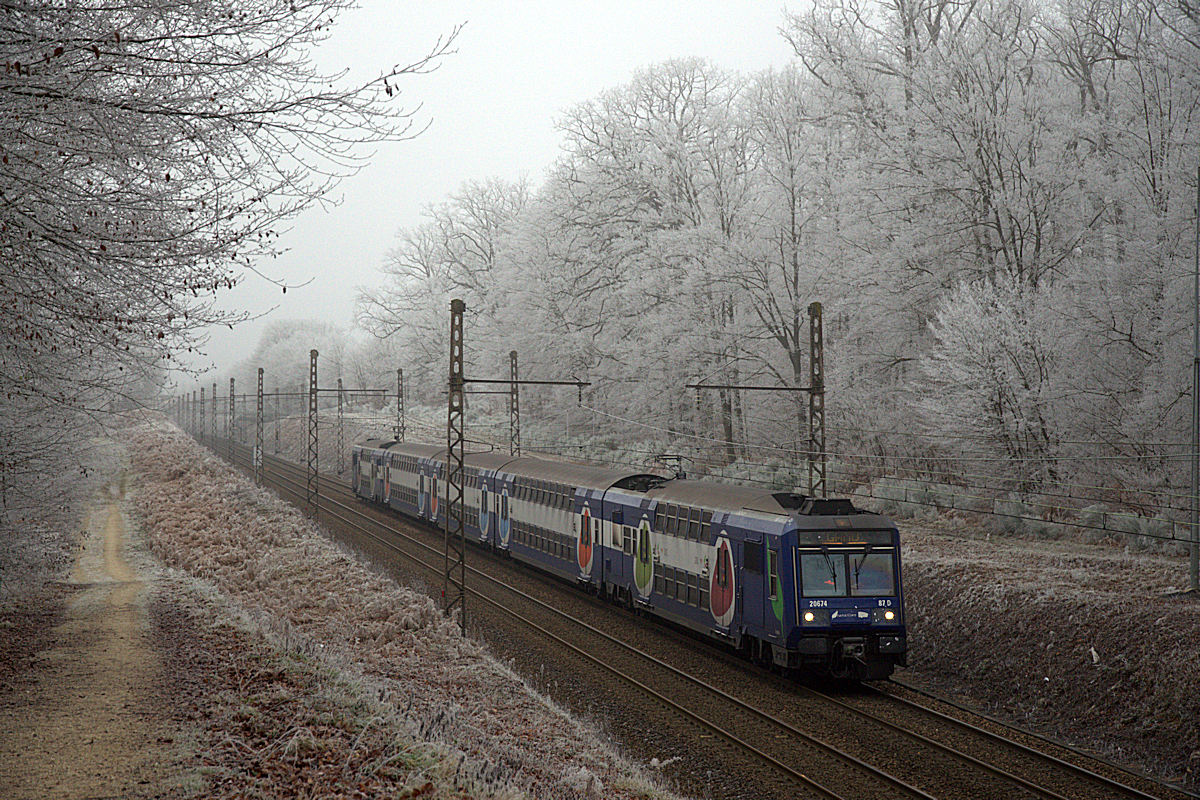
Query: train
pixel 802 584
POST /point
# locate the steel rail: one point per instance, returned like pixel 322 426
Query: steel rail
pixel 1063 764
pixel 927 741
pixel 733 738
pixel 945 748
pixel 998 738
pixel 1082 771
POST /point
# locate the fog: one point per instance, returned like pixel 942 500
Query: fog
pixel 491 111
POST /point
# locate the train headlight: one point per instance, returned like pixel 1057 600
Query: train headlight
pixel 884 616
pixel 889 615
pixel 809 616
pixel 814 617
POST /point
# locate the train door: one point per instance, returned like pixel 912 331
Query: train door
pixel 422 492
pixel 435 483
pixel 387 479
pixel 501 508
pixel 611 547
pixel 593 562
pixel 773 605
pixel 753 590
pixel 485 507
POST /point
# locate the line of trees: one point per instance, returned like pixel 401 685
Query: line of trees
pixel 993 200
pixel 148 153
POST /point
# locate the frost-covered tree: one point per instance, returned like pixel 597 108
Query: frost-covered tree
pixel 149 152
pixel 993 201
pixel 457 252
pixel 663 166
pixel 994 372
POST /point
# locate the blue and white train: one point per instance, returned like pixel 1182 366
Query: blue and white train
pixel 802 583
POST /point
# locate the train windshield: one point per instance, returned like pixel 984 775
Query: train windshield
pixel 824 574
pixel 871 574
pixel 837 573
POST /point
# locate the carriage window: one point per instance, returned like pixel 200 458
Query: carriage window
pixel 823 574
pixel 693 590
pixel 660 519
pixel 658 582
pixel 773 573
pixel 871 574
pixel 752 557
pixel 694 525
pixel 627 544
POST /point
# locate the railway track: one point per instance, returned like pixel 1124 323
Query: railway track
pixel 824 742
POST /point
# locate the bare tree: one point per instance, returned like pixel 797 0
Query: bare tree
pixel 150 151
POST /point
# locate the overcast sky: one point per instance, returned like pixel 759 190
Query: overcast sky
pixel 491 109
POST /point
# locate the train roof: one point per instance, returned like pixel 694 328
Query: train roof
pixel 581 475
pixel 707 494
pixel 487 460
pixel 375 444
pixel 410 449
pixel 807 512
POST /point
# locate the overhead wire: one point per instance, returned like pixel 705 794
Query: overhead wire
pixel 1074 524
pixel 951 461
pixel 904 462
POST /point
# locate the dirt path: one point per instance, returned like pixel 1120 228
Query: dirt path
pixel 90 726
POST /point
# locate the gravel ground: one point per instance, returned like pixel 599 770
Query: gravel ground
pixel 1086 643
pixel 697 761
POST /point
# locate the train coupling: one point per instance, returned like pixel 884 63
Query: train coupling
pixel 853 647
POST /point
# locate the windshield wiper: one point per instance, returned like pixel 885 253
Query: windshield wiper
pixel 829 565
pixel 858 564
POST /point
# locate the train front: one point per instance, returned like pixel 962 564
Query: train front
pixel 849 597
